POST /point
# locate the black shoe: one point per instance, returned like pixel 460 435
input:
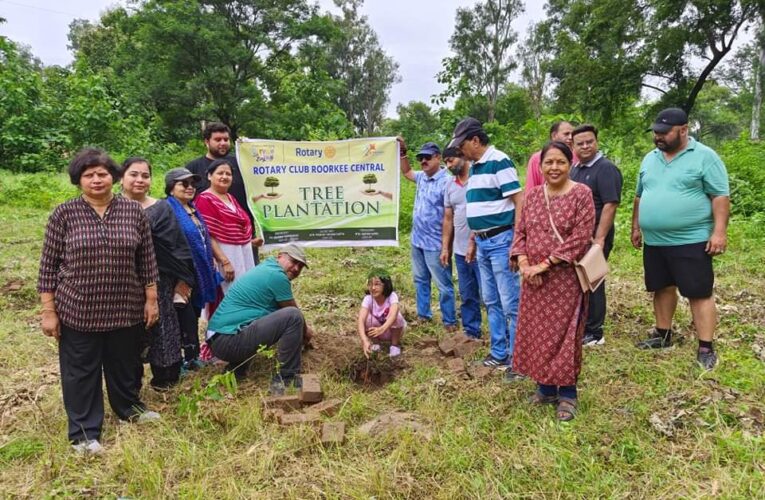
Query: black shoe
pixel 706 358
pixel 591 339
pixel 656 341
pixel 512 377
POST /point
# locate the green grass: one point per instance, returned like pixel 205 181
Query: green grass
pixel 706 438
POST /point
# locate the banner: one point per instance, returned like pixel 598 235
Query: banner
pixel 323 194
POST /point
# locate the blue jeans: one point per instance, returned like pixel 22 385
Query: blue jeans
pixel 426 264
pixel 501 290
pixel 469 279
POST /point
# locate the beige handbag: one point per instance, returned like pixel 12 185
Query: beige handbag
pixel 593 267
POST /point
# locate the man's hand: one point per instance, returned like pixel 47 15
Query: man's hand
pixel 257 242
pixel 183 289
pixel 401 145
pixel 308 334
pixel 637 238
pixel 444 257
pixel 717 244
pixel 470 254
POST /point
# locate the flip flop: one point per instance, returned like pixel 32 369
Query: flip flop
pixel 566 409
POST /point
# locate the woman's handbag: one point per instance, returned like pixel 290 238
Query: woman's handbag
pixel 590 269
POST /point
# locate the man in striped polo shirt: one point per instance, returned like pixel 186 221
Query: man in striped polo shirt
pixel 494 199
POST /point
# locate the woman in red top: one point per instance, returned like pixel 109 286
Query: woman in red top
pixel 229 225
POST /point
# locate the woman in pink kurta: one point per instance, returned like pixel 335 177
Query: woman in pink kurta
pixel 553 308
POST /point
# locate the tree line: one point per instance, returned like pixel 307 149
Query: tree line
pixel 146 75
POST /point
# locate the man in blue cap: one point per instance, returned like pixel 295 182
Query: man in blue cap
pixel 427 220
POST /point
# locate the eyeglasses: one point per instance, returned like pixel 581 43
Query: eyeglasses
pixel 187 183
pixel 422 158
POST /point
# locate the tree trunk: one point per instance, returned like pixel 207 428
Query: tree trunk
pixel 754 129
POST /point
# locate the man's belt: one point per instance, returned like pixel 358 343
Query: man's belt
pixel 484 235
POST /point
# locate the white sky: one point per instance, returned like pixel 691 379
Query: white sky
pixel 414 32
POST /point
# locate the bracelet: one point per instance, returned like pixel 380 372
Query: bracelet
pixel 150 285
pixel 549 261
pixel 48 309
pixel 225 263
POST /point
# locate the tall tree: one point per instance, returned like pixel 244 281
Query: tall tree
pixel 362 65
pixel 606 52
pixel 534 63
pixel 482 43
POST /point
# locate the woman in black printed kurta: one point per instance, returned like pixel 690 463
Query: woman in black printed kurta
pixel 97 284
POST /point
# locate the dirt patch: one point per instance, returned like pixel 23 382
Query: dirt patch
pixel 394 423
pixel 373 373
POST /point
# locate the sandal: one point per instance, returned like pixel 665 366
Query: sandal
pixel 540 399
pixel 566 409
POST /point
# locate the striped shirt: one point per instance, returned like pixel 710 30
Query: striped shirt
pixel 97 268
pixel 227 223
pixel 493 179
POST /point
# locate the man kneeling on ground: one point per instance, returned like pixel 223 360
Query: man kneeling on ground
pixel 258 311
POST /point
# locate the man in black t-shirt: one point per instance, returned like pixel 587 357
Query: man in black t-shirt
pixel 605 180
pixel 217 137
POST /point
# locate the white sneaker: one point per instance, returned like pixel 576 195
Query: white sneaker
pixel 91 447
pixel 148 416
pixel 395 351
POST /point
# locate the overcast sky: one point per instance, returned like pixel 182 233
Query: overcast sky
pixel 414 32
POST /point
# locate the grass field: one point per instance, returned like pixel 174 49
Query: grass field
pixel 651 424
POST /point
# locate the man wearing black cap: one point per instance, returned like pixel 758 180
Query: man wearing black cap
pixel 427 220
pixel 217 137
pixel 259 311
pixel 494 199
pixel 680 217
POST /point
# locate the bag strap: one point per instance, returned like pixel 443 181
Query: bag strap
pixel 549 212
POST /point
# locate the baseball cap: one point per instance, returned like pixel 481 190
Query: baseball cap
pixel 176 175
pixel 667 119
pixel 296 252
pixel 429 148
pixel 464 129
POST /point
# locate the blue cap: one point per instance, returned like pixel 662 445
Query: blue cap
pixel 429 148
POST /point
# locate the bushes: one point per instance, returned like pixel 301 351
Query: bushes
pixel 744 161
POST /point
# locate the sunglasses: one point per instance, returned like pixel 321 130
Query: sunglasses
pixel 187 183
pixel 422 158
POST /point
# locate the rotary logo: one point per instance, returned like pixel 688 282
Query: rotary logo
pixel 330 152
pixel 371 150
pixel 263 153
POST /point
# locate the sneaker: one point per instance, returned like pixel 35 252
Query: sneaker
pixel 148 416
pixel 395 351
pixel 512 377
pixel 592 339
pixel 655 341
pixel 500 364
pixel 89 447
pixel 707 358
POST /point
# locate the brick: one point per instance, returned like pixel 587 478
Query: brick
pixel 481 372
pixel 428 342
pixel 273 414
pixel 333 433
pixel 285 403
pixel 311 389
pixel 446 346
pixel 456 366
pixel 466 349
pixel 326 408
pixel 299 418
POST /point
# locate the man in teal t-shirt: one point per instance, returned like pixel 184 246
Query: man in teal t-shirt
pixel 258 311
pixel 681 213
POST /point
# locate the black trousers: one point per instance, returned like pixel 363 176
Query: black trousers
pixel 83 356
pixel 596 314
pixel 188 319
pixel 283 327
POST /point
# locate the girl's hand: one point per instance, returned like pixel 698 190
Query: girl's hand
pixel 367 347
pixel 375 331
pixel 50 324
